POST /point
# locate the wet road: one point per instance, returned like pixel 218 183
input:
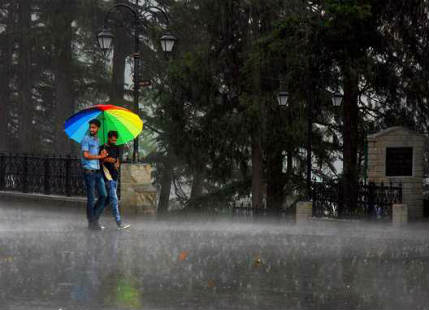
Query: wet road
pixel 49 260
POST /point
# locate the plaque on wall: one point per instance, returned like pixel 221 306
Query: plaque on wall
pixel 399 161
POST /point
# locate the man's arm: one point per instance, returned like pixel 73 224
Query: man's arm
pixel 87 155
pixel 113 159
pixel 102 155
pixel 109 160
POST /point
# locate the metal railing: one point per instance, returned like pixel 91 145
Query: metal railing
pixel 59 175
pixel 371 200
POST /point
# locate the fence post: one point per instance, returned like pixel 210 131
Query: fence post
pixel 2 171
pixel 400 192
pixel 25 174
pixel 399 214
pixel 304 211
pixel 47 187
pixel 68 175
pixel 371 198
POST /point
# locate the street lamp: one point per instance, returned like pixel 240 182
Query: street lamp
pixel 282 98
pixel 105 39
pixel 337 99
pixel 167 42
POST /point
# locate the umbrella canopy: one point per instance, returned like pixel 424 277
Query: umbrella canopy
pixel 111 117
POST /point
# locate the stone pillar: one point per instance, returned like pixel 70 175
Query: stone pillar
pixel 138 195
pixel 304 210
pixel 380 170
pixel 399 214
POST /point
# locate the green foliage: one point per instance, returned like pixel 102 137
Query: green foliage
pixel 217 92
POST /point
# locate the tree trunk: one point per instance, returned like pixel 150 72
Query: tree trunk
pixel 25 127
pixel 64 97
pixel 120 52
pixel 274 182
pixel 5 76
pixel 197 182
pixel 274 178
pixel 166 179
pixel 289 168
pixel 274 164
pixel 119 56
pixel 350 138
pixel 257 171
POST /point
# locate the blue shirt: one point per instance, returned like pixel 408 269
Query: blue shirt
pixel 92 146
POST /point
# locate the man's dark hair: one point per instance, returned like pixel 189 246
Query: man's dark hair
pixel 113 133
pixel 96 122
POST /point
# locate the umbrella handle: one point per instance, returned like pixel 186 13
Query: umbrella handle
pixel 104 121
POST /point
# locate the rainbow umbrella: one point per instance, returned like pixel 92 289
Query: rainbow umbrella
pixel 111 117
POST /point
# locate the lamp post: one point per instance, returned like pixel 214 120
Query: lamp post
pixel 105 40
pixel 283 101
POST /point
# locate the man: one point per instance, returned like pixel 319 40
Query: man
pixel 110 168
pixel 92 175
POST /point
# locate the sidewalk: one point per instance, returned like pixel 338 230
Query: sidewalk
pixel 35 197
pixel 34 207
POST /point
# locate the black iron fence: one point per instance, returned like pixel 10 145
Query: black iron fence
pixel 371 200
pixel 60 175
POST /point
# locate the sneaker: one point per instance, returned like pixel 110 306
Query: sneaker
pixel 123 226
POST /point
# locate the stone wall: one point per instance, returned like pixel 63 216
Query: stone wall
pixel 412 186
pixel 138 195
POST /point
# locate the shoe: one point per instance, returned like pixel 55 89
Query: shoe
pixel 123 226
pixel 97 226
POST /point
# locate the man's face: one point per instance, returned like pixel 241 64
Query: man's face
pixel 112 140
pixel 93 129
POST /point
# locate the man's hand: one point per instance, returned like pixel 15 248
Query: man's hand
pixel 117 165
pixel 103 154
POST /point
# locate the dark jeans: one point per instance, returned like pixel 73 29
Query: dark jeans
pixel 94 181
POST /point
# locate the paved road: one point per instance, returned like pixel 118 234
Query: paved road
pixel 49 260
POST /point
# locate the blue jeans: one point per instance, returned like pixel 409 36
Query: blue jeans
pixel 94 181
pixel 112 186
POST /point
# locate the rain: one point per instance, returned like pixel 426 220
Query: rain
pixel 214 154
pixel 49 260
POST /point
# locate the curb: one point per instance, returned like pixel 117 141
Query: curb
pixel 42 197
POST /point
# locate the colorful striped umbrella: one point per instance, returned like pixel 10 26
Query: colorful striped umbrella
pixel 111 117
